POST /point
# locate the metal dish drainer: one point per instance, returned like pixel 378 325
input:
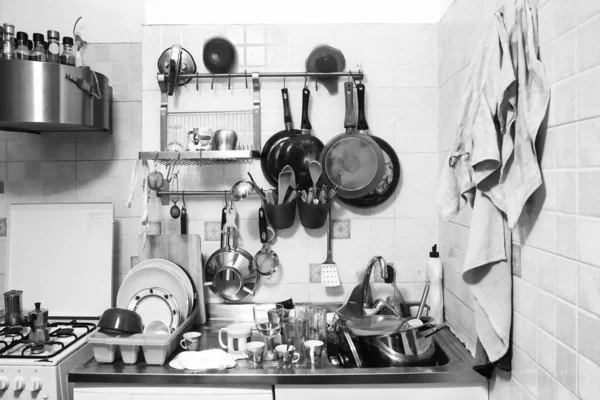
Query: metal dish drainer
pixel 177 68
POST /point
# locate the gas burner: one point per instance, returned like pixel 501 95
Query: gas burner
pixel 63 332
pixel 13 331
pixel 36 348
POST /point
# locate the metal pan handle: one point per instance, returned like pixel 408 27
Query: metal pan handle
pixel 287 114
pixel 349 121
pixel 306 126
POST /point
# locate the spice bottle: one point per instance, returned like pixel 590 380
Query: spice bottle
pixel 53 47
pixel 22 52
pixel 8 44
pixel 38 53
pixel 68 56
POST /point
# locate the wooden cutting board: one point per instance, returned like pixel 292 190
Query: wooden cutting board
pixel 183 250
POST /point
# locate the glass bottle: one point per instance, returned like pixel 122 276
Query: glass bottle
pixel 38 53
pixel 30 45
pixel 8 44
pixel 53 54
pixel 22 52
pixel 68 56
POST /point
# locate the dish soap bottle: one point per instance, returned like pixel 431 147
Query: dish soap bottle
pixel 436 295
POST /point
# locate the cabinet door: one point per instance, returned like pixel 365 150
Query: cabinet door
pixel 382 392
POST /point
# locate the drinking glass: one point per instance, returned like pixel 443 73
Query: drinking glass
pixel 268 319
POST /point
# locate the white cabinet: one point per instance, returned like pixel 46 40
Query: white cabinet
pixel 422 391
pixel 170 392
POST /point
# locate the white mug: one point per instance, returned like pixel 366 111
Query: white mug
pixel 237 337
pixel 191 341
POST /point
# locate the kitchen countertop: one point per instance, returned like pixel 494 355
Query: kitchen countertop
pixel 458 370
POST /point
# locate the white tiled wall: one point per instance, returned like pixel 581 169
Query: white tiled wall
pixel 83 166
pixel 556 264
pixel 400 63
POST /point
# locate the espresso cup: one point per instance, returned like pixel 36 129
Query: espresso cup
pixel 286 356
pixel 191 341
pixel 254 351
pixel 313 349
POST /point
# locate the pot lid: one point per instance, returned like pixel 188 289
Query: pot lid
pixel 61 255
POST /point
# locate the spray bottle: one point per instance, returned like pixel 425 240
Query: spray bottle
pixel 434 275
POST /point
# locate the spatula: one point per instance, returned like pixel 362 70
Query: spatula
pixel 329 271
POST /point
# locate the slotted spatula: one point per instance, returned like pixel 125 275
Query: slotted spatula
pixel 329 271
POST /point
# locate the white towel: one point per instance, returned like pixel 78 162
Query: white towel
pixel 493 161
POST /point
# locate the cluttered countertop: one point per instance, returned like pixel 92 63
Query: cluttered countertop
pixel 456 368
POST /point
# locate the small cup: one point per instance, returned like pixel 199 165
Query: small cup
pixel 156 327
pixel 191 341
pixel 281 216
pixel 312 216
pixel 254 351
pixel 286 357
pixel 313 349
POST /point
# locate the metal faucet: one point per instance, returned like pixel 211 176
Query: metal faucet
pixel 367 296
pixel 361 296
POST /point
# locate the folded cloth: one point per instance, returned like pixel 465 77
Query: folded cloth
pixel 215 359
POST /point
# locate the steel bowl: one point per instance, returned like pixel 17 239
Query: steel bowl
pixel 224 139
pixel 119 321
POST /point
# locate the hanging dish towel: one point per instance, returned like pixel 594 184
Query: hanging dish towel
pixel 493 166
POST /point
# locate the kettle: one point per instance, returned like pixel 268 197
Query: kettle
pixel 38 322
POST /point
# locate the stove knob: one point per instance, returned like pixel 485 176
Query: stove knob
pixel 34 385
pixel 19 383
pixel 3 383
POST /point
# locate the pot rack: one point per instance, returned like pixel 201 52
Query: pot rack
pixel 166 84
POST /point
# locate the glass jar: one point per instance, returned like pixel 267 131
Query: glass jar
pixel 8 43
pixel 68 55
pixel 53 53
pixel 22 52
pixel 38 53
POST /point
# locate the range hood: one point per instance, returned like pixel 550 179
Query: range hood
pixel 40 97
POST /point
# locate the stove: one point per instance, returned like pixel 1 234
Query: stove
pixel 72 274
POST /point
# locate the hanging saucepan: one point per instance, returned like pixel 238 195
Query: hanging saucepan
pixel 391 177
pixel 228 271
pixel 300 150
pixel 352 162
pixel 269 157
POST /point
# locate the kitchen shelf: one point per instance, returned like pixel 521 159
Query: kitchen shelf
pixel 206 157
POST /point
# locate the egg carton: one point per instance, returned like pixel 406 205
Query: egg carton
pixel 156 348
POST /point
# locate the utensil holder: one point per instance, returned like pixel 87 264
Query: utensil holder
pixel 281 216
pixel 312 216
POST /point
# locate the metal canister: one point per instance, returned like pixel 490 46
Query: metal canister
pixel 13 307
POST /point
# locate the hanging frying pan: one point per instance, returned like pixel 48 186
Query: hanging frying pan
pixel 391 175
pixel 269 157
pixel 300 150
pixel 352 162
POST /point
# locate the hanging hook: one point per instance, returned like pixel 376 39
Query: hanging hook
pixel 349 75
pixel 316 85
pixel 229 82
pixel 284 80
pixel 246 78
pixel 197 81
pixel 212 82
pixel 305 79
pixel 182 196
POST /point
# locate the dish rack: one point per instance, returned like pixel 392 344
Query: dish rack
pixel 156 348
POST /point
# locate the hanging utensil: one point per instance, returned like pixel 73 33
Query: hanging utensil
pixel 329 272
pixel 266 261
pixel 241 189
pixel 391 177
pixel 184 216
pixel 354 162
pixel 300 150
pixel 175 211
pixel 315 169
pixel 285 176
pixel 269 157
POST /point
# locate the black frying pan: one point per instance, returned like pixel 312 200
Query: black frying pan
pixel 391 175
pixel 269 157
pixel 300 150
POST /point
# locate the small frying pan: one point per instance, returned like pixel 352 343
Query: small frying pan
pixel 300 150
pixel 269 157
pixel 391 176
pixel 352 162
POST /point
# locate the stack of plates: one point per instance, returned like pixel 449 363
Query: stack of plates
pixel 158 289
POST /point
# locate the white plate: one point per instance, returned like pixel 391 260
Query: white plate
pixel 153 273
pixel 156 304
